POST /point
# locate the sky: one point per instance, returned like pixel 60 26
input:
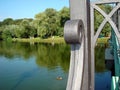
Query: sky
pixel 18 9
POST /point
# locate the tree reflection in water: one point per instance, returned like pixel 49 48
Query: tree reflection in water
pixel 47 55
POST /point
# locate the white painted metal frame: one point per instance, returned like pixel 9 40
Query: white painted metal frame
pixel 107 18
pixel 82 63
pixel 79 71
pixel 106 1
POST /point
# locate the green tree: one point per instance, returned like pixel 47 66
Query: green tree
pixel 99 18
pixel 18 31
pixel 33 30
pixel 39 23
pixel 47 23
pixel 64 15
pixel 1 30
pixel 18 21
pixel 7 21
pixel 30 30
pixel 6 34
pixel 12 31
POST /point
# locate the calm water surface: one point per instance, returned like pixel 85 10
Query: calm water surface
pixel 25 66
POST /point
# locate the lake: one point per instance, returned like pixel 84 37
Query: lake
pixel 36 66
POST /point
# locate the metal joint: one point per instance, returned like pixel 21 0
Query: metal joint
pixel 73 31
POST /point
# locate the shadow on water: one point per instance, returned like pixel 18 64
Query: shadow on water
pixel 25 76
pixel 102 75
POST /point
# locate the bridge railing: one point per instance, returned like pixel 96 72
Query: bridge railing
pixel 79 33
pixel 115 84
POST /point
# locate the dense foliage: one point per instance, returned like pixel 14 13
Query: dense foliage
pixel 46 24
pixel 99 18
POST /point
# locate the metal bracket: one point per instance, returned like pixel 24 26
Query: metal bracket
pixel 73 31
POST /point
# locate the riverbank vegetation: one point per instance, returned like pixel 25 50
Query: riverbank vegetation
pixel 103 40
pixel 45 26
pixel 54 39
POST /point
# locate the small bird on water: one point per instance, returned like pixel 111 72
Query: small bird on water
pixel 59 78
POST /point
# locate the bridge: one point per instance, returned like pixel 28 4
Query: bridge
pixel 79 33
pixel 115 84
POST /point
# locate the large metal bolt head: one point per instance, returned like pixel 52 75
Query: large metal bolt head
pixel 73 31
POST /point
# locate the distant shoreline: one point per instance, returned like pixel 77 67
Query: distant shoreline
pixel 54 39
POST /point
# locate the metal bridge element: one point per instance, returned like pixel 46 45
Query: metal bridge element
pixel 79 32
pixel 115 84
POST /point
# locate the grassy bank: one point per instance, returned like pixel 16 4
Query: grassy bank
pixel 103 40
pixel 40 40
pixel 56 39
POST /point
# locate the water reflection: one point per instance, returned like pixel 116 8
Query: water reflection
pixel 100 57
pixel 103 81
pixel 25 66
pixel 49 56
pixel 102 75
pixel 25 76
pixel 45 62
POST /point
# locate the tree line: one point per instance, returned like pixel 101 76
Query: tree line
pixel 45 24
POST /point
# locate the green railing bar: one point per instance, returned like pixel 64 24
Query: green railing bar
pixel 115 83
pixel 116 50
